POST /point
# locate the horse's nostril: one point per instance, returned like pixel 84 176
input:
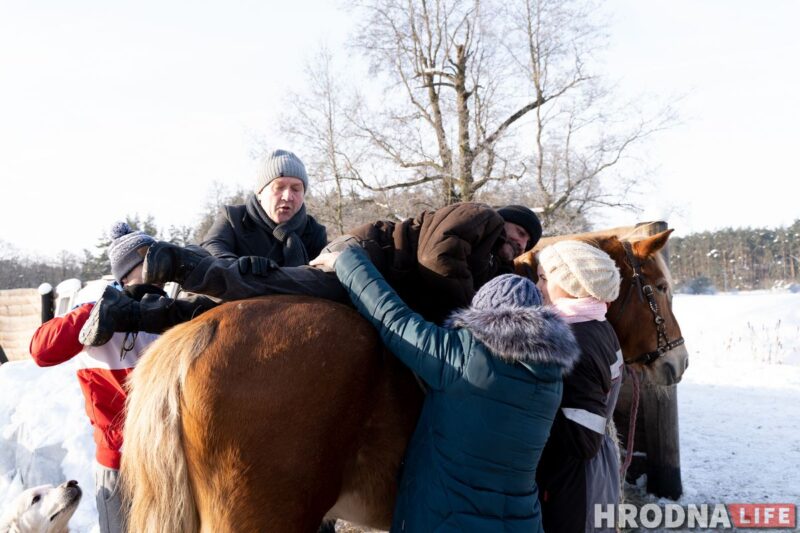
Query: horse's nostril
pixel 72 483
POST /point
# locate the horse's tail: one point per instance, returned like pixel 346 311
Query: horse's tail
pixel 154 474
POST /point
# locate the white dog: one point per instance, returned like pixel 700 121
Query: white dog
pixel 43 509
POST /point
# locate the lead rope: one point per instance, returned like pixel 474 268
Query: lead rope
pixel 631 423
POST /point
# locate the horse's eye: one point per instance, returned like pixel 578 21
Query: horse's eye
pixel 663 287
pixel 36 499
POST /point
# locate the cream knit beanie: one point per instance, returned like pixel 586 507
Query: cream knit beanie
pixel 581 270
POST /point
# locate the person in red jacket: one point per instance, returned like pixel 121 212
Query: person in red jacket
pixel 103 370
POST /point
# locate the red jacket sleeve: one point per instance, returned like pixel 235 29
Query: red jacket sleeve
pixel 56 340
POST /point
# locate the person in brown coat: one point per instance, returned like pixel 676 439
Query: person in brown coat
pixel 450 252
pixel 436 261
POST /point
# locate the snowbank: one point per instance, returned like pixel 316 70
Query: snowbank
pixel 45 435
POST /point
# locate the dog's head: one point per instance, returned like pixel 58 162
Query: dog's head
pixel 43 509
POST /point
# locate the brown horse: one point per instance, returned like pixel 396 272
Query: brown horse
pixel 272 413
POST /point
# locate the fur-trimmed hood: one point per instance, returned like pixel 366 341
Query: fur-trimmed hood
pixel 530 334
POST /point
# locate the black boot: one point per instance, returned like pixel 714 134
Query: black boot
pixel 166 262
pixel 160 313
pixel 114 311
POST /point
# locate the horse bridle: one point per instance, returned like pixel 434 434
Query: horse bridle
pixel 663 344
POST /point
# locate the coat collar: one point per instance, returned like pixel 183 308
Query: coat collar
pixel 527 334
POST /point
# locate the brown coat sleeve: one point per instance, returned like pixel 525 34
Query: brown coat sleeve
pixel 455 249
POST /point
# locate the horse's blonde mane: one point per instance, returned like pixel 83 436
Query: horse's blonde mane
pixel 662 264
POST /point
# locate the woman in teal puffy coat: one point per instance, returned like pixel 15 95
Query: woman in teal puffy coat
pixel 494 380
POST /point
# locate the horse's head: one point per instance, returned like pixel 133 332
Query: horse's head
pixel 642 316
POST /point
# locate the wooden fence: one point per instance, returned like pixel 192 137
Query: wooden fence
pixel 20 315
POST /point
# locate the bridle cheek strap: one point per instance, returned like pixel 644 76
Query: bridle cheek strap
pixel 646 292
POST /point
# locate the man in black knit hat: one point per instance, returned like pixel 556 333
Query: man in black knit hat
pixel 522 227
pixel 436 260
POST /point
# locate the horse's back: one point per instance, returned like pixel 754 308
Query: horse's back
pixel 273 408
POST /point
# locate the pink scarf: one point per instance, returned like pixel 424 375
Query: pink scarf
pixel 580 309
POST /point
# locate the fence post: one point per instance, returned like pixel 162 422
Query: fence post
pixel 657 443
pixel 663 463
pixel 48 299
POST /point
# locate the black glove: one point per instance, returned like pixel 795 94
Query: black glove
pixel 260 266
pixel 137 292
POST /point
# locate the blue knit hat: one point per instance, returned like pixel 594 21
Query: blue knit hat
pixel 122 253
pixel 508 290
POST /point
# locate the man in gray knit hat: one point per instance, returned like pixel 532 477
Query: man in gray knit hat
pixel 272 223
pixel 270 230
pixel 272 226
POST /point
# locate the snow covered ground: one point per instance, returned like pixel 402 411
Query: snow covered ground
pixel 739 402
pixel 739 409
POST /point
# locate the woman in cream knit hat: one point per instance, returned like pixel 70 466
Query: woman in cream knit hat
pixel 580 465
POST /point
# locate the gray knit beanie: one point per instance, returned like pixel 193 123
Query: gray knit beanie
pixel 122 252
pixel 280 164
pixel 581 269
pixel 507 290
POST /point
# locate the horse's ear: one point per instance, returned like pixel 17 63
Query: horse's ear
pixel 649 246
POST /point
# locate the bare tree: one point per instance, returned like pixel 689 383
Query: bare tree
pixel 461 77
pixel 583 135
pixel 218 196
pixel 181 234
pixel 316 118
pixel 474 99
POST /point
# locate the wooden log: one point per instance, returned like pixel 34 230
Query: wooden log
pixel 660 415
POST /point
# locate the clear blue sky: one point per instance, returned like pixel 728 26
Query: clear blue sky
pixel 110 108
